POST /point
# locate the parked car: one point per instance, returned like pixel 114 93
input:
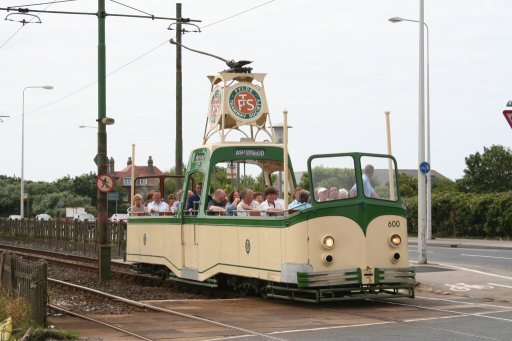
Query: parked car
pixel 118 217
pixel 14 217
pixel 43 217
pixel 84 217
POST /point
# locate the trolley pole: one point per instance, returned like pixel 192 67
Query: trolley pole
pixel 179 96
pixel 102 238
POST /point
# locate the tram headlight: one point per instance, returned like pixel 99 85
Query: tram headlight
pixel 328 242
pixel 395 240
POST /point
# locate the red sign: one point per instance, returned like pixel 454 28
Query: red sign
pixel 105 183
pixel 508 116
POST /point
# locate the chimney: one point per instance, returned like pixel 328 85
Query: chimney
pixel 129 161
pixel 150 166
pixel 111 166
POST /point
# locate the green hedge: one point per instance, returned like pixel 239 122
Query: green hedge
pixel 465 215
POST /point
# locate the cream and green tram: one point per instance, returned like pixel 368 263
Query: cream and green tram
pixel 349 242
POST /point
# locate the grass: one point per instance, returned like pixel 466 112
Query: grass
pixel 19 311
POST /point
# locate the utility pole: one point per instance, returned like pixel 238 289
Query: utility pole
pixel 102 238
pixel 179 106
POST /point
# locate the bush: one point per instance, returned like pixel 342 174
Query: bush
pixel 456 214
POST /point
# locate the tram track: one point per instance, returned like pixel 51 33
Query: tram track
pixel 147 306
pixel 88 318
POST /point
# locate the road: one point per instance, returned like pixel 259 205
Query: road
pixel 479 273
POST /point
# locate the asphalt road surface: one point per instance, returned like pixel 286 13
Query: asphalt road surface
pixel 479 273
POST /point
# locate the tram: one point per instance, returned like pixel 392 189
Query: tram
pixel 348 242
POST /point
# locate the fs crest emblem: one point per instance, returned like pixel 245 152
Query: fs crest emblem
pixel 245 102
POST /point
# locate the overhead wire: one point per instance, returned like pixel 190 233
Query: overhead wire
pixel 41 3
pixel 135 9
pixel 136 59
pixel 19 29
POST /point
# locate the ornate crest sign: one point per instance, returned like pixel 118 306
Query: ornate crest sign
pixel 215 109
pixel 245 102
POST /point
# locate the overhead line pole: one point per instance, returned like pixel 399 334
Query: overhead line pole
pixel 102 239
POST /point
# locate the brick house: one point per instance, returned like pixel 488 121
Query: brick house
pixel 124 177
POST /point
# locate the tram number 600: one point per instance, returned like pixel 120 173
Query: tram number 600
pixel 393 223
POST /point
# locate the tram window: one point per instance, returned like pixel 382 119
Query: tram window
pixel 379 177
pixel 237 175
pixel 332 177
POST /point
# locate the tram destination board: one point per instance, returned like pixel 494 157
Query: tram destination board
pixel 251 152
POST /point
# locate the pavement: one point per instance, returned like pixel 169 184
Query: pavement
pixel 466 243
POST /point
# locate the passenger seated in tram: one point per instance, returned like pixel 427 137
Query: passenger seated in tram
pixel 217 205
pixel 323 194
pixel 138 208
pixel 296 197
pixel 170 200
pixel 343 193
pixel 247 206
pixel 176 205
pixel 233 201
pixel 157 205
pixel 258 196
pixel 271 205
pixel 303 201
pixel 193 201
pixel 333 193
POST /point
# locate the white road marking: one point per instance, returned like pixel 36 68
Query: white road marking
pixel 500 285
pixel 433 318
pixel 449 311
pixel 475 271
pixel 468 287
pixel 464 302
pixel 332 327
pixel 464 254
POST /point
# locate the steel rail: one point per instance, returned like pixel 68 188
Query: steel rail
pixel 83 317
pixel 163 310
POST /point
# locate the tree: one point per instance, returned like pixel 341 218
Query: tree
pixel 490 171
pixel 407 185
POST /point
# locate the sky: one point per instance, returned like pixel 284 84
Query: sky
pixel 336 66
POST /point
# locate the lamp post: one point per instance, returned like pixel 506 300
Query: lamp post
pixel 22 192
pixel 429 178
pixel 424 204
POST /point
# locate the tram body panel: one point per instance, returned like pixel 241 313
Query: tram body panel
pixel 294 243
pixel 379 233
pixel 155 244
pixel 350 247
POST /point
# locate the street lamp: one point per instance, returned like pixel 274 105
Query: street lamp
pixel 22 193
pixel 395 20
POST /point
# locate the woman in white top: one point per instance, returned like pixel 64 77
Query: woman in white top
pixel 271 205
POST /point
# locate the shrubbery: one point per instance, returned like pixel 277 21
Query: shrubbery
pixel 456 214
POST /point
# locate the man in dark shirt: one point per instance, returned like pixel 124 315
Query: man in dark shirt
pixel 193 201
pixel 217 205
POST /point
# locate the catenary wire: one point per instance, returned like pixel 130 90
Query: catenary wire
pixel 134 60
pixel 135 9
pixel 42 3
